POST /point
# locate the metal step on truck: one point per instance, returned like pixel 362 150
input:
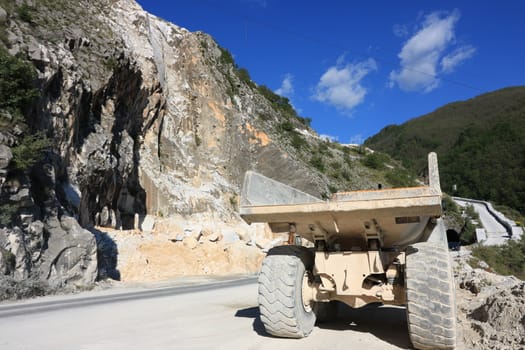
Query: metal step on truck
pixel 360 247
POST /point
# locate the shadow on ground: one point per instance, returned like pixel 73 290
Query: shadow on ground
pixel 253 312
pixel 107 255
pixel 387 323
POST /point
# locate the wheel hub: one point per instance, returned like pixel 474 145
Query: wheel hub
pixel 307 292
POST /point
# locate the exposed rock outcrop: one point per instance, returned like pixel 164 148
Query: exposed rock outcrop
pixel 47 250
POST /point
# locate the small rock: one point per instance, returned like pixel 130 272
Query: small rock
pixel 190 242
pixel 230 237
pixel 483 265
pixel 178 238
pixel 188 232
pixel 205 232
pixel 214 237
pixel 148 223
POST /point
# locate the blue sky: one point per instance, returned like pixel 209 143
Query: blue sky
pixel 357 66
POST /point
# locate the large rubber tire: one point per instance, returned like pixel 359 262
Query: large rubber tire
pixel 431 302
pixel 281 292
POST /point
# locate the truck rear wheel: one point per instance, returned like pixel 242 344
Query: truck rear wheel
pixel 283 311
pixel 431 306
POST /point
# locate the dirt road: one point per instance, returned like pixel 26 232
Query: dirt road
pixel 220 315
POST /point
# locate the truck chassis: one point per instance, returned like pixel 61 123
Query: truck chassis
pixel 362 247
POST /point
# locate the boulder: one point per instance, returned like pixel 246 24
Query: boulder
pixel 71 254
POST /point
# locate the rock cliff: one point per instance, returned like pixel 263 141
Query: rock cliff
pixel 144 119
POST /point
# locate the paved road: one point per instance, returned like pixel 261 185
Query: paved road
pixel 496 233
pixel 222 315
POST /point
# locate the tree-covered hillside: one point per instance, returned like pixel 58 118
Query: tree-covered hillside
pixel 480 144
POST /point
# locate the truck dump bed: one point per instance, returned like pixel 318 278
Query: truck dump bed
pixel 396 217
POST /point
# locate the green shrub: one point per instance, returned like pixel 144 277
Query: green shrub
pixel 25 13
pixel 16 94
pixel 226 57
pixel 375 161
pixel 282 105
pixel 298 142
pixel 244 76
pixel 30 150
pixel 510 213
pixel 507 259
pixel 468 233
pixel 450 205
pixel 399 178
pixel 198 140
pixel 305 120
pixel 16 82
pixel 286 126
pixel 111 63
pixel 7 213
pixel 336 165
pixel 335 175
pixel 322 148
pixel 234 201
pixel 317 162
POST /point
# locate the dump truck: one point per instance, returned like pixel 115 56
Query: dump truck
pixel 384 246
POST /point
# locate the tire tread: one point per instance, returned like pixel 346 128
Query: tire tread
pixel 431 309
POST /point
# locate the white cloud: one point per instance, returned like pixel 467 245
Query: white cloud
pixel 286 88
pixel 340 86
pixel 456 57
pixel 425 50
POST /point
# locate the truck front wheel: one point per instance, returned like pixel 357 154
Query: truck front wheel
pixel 284 312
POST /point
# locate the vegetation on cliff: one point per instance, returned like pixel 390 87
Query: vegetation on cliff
pixel 16 96
pixel 17 93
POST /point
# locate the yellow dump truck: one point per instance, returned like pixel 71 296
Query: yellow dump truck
pixel 360 247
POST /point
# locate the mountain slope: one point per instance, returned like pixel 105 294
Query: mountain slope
pixel 480 143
